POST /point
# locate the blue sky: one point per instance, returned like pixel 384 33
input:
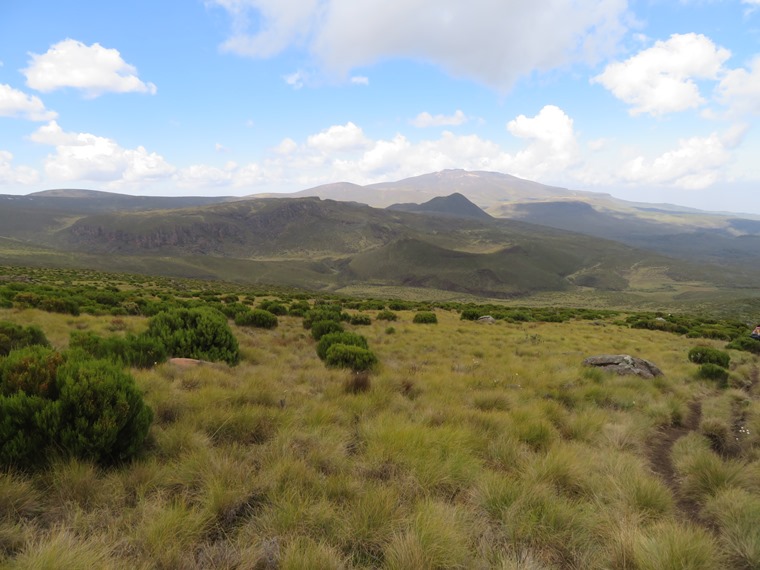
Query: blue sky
pixel 653 100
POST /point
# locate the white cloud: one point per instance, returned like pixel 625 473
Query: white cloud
pixel 339 138
pixel 15 103
pixel 287 146
pixel 740 88
pixel 697 163
pixel 93 69
pixel 88 157
pixel 425 119
pixel 489 41
pixel 13 175
pixel 296 79
pixel 552 148
pixel 660 79
pixel 360 80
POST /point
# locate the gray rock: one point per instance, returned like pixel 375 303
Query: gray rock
pixel 486 319
pixel 624 364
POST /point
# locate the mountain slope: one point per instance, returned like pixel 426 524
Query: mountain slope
pixel 455 205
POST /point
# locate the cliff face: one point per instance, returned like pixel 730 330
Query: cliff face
pixel 201 238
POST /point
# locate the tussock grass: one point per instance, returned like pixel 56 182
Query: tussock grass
pixel 470 446
pixel 669 546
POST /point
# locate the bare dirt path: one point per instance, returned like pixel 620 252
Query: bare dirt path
pixel 659 455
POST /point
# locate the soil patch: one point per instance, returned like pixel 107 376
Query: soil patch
pixel 659 455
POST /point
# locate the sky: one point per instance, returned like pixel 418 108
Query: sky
pixel 648 100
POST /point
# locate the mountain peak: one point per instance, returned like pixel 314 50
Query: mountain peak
pixel 454 205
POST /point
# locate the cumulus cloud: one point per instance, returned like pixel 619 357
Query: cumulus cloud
pixel 15 175
pixel 84 156
pixel 95 70
pixel 492 42
pixel 552 146
pixel 695 164
pixel 15 103
pixel 740 88
pixel 339 138
pixel 360 80
pixel 425 119
pixel 660 79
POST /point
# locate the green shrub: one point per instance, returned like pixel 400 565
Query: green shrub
pixel 347 338
pixel 195 333
pixel 745 343
pixel 710 371
pixel 425 317
pixel 471 314
pixel 13 336
pixel 31 370
pixel 101 414
pixel 708 355
pixel 354 357
pixel 273 307
pixel 324 313
pixel 386 316
pixel 321 328
pixel 140 351
pixel 68 404
pixel 390 330
pixel 360 320
pixel 22 438
pixel 258 318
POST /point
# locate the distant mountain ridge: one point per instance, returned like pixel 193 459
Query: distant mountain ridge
pixel 456 238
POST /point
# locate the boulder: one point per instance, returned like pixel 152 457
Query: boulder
pixel 624 364
pixel 487 319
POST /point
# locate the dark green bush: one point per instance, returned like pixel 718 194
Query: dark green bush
pixel 273 307
pixel 70 405
pixel 195 333
pixel 471 314
pixel 321 328
pixel 31 370
pixel 258 318
pixel 140 351
pixel 425 317
pixel 710 371
pixel 708 355
pixel 354 357
pixel 360 320
pixel 347 338
pixel 386 316
pixel 13 336
pixel 324 313
pixel 746 343
pixel 101 414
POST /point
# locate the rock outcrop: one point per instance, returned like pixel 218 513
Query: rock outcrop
pixel 624 364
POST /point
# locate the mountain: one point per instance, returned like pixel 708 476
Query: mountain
pixel 555 240
pixel 454 205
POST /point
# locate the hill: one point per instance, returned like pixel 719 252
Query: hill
pixel 455 205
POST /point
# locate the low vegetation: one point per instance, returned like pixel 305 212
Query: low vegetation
pixel 460 445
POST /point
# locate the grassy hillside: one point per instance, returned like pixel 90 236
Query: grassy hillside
pixel 470 446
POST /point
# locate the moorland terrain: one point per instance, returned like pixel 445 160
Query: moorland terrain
pixel 304 382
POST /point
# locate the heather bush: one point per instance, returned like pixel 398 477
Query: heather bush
pixel 425 317
pixel 360 320
pixel 347 338
pixel 321 328
pixel 258 318
pixel 140 351
pixel 708 355
pixel 386 316
pixel 13 336
pixel 195 333
pixel 710 371
pixel 71 405
pixel 354 357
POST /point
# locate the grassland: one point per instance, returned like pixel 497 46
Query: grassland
pixel 470 446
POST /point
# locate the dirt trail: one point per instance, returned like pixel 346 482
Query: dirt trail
pixel 659 454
